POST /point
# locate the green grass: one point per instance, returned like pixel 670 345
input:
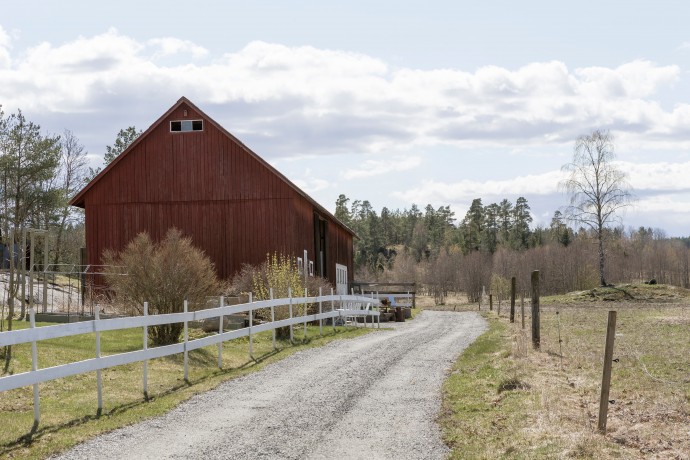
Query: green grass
pixel 69 405
pixel 480 415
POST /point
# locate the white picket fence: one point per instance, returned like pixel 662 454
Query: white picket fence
pixel 348 306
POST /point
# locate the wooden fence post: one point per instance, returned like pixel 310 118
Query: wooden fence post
pixel 31 267
pixel 606 376
pixel 45 274
pixel 186 340
pixel 341 311
pixel 512 299
pixel 491 302
pixel 22 275
pixel 273 318
pixel 305 315
pixel 99 380
pixel 251 323
pixel 145 382
pixel 220 331
pixel 536 334
pixel 34 367
pixel 320 312
pixel 522 308
pixel 332 310
pixel 292 338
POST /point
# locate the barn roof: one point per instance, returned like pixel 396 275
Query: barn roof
pixel 78 199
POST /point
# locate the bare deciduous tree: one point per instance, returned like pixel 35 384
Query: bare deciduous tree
pixel 597 188
pixel 73 169
pixel 164 274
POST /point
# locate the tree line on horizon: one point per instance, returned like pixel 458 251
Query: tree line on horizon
pixel 492 243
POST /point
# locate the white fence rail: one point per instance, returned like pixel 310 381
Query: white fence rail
pixel 402 300
pixel 348 306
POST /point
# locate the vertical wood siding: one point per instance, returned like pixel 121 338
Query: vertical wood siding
pixel 207 185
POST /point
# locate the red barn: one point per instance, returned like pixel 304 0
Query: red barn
pixel 187 171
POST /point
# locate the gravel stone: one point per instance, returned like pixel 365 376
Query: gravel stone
pixel 373 397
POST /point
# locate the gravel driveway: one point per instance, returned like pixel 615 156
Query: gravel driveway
pixel 372 397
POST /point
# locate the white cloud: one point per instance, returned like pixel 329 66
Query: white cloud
pixel 5 46
pixel 463 191
pixel 320 101
pixel 662 176
pixel 665 211
pixel 310 183
pixel 644 178
pixel 171 46
pixel 371 168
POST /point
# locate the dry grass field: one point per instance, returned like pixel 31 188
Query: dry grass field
pixel 504 399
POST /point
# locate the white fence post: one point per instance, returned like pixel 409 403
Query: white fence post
pixel 146 361
pixel 292 338
pixel 305 315
pixel 22 273
pixel 373 320
pixel 332 310
pixel 45 274
pixel 31 268
pixel 99 380
pixel 220 331
pixel 320 312
pixel 186 340
pixel 34 367
pixel 273 318
pixel 251 321
pixel 341 311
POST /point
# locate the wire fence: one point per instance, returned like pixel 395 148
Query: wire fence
pixel 59 289
pixel 649 396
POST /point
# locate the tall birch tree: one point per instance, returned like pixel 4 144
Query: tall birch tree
pixel 598 189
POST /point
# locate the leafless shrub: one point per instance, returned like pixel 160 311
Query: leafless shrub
pixel 278 274
pixel 164 274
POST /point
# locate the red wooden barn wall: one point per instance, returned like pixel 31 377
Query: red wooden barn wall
pixel 232 204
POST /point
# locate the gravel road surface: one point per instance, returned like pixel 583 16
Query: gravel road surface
pixel 373 397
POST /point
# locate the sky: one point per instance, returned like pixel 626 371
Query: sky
pixel 395 102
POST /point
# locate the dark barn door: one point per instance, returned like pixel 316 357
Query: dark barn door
pixel 320 245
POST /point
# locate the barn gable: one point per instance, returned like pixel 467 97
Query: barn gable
pixel 187 171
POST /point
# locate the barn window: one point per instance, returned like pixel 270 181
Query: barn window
pixel 300 265
pixel 186 125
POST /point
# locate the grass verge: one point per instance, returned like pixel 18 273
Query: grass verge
pixel 479 412
pixel 68 406
pixel 504 399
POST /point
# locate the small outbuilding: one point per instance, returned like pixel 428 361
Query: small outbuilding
pixel 187 171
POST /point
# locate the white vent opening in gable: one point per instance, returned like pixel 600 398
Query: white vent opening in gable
pixel 186 126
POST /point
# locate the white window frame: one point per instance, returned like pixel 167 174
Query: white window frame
pixel 186 126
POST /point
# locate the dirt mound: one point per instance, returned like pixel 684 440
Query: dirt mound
pixel 658 293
